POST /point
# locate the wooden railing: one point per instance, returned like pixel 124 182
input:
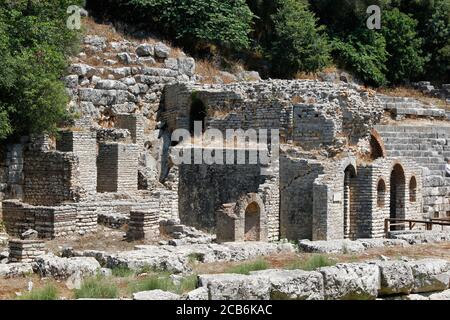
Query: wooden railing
pixel 411 223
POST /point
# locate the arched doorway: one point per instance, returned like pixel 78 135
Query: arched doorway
pixel 252 222
pixel 197 113
pixel 350 223
pixel 397 201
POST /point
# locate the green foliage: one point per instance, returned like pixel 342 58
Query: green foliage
pixel 97 288
pixel 222 22
pixel 313 263
pixel 34 43
pixel 364 53
pixel 122 272
pixel 403 45
pixel 48 292
pixel 162 281
pixel 299 44
pixel 246 268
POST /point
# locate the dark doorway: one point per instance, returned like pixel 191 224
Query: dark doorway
pixel 350 223
pixel 197 113
pixel 397 201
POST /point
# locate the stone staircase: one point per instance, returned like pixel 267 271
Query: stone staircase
pixel 428 146
pixel 401 108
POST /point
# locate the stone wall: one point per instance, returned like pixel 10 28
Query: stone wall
pixel 51 177
pixel 117 167
pixel 84 145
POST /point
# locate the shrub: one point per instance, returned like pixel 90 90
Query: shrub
pixel 48 292
pixel 298 44
pixel 222 22
pixel 364 53
pixel 246 268
pixel 97 288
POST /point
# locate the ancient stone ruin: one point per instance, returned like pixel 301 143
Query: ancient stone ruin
pixel 333 161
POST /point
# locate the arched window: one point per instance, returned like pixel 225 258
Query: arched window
pixel 252 222
pixel 381 193
pixel 413 190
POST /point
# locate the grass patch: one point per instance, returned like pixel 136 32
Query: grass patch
pixel 314 262
pixel 97 288
pixel 153 282
pixel 246 268
pixel 122 272
pixel 163 282
pixel 48 292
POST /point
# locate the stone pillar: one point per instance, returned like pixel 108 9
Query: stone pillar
pixel 143 225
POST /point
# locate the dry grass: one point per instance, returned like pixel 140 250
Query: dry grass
pixel 413 93
pixel 210 73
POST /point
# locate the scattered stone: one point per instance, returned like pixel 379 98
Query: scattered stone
pixel 145 50
pixel 197 294
pixel 430 275
pixel 351 281
pixel 105 272
pixel 124 57
pixel 444 295
pixel 293 284
pixel 63 268
pixel 14 270
pixel 161 50
pixel 236 287
pixel 396 278
pixel 155 295
pixel 331 246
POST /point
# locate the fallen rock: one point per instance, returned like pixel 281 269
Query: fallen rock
pixel 444 295
pixel 14 270
pixel 293 284
pixel 430 275
pixel 197 294
pixel 155 295
pixel 63 268
pixel 331 246
pixel 236 287
pixel 145 50
pixel 396 278
pixel 161 50
pixel 351 281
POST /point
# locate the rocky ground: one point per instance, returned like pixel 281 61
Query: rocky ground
pixel 241 270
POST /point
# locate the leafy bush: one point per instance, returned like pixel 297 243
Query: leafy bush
pixel 299 44
pixel 246 268
pixel 222 22
pixel 364 53
pixel 404 46
pixel 48 292
pixel 97 288
pixel 34 43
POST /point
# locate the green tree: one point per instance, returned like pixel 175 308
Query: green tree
pixel 299 44
pixel 34 44
pixel 404 46
pixel 364 53
pixel 222 22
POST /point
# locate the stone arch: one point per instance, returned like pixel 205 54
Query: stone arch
pixel 397 193
pixel 197 112
pixel 413 189
pixel 252 222
pixel 252 215
pixel 381 193
pixel 377 148
pixel 350 219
